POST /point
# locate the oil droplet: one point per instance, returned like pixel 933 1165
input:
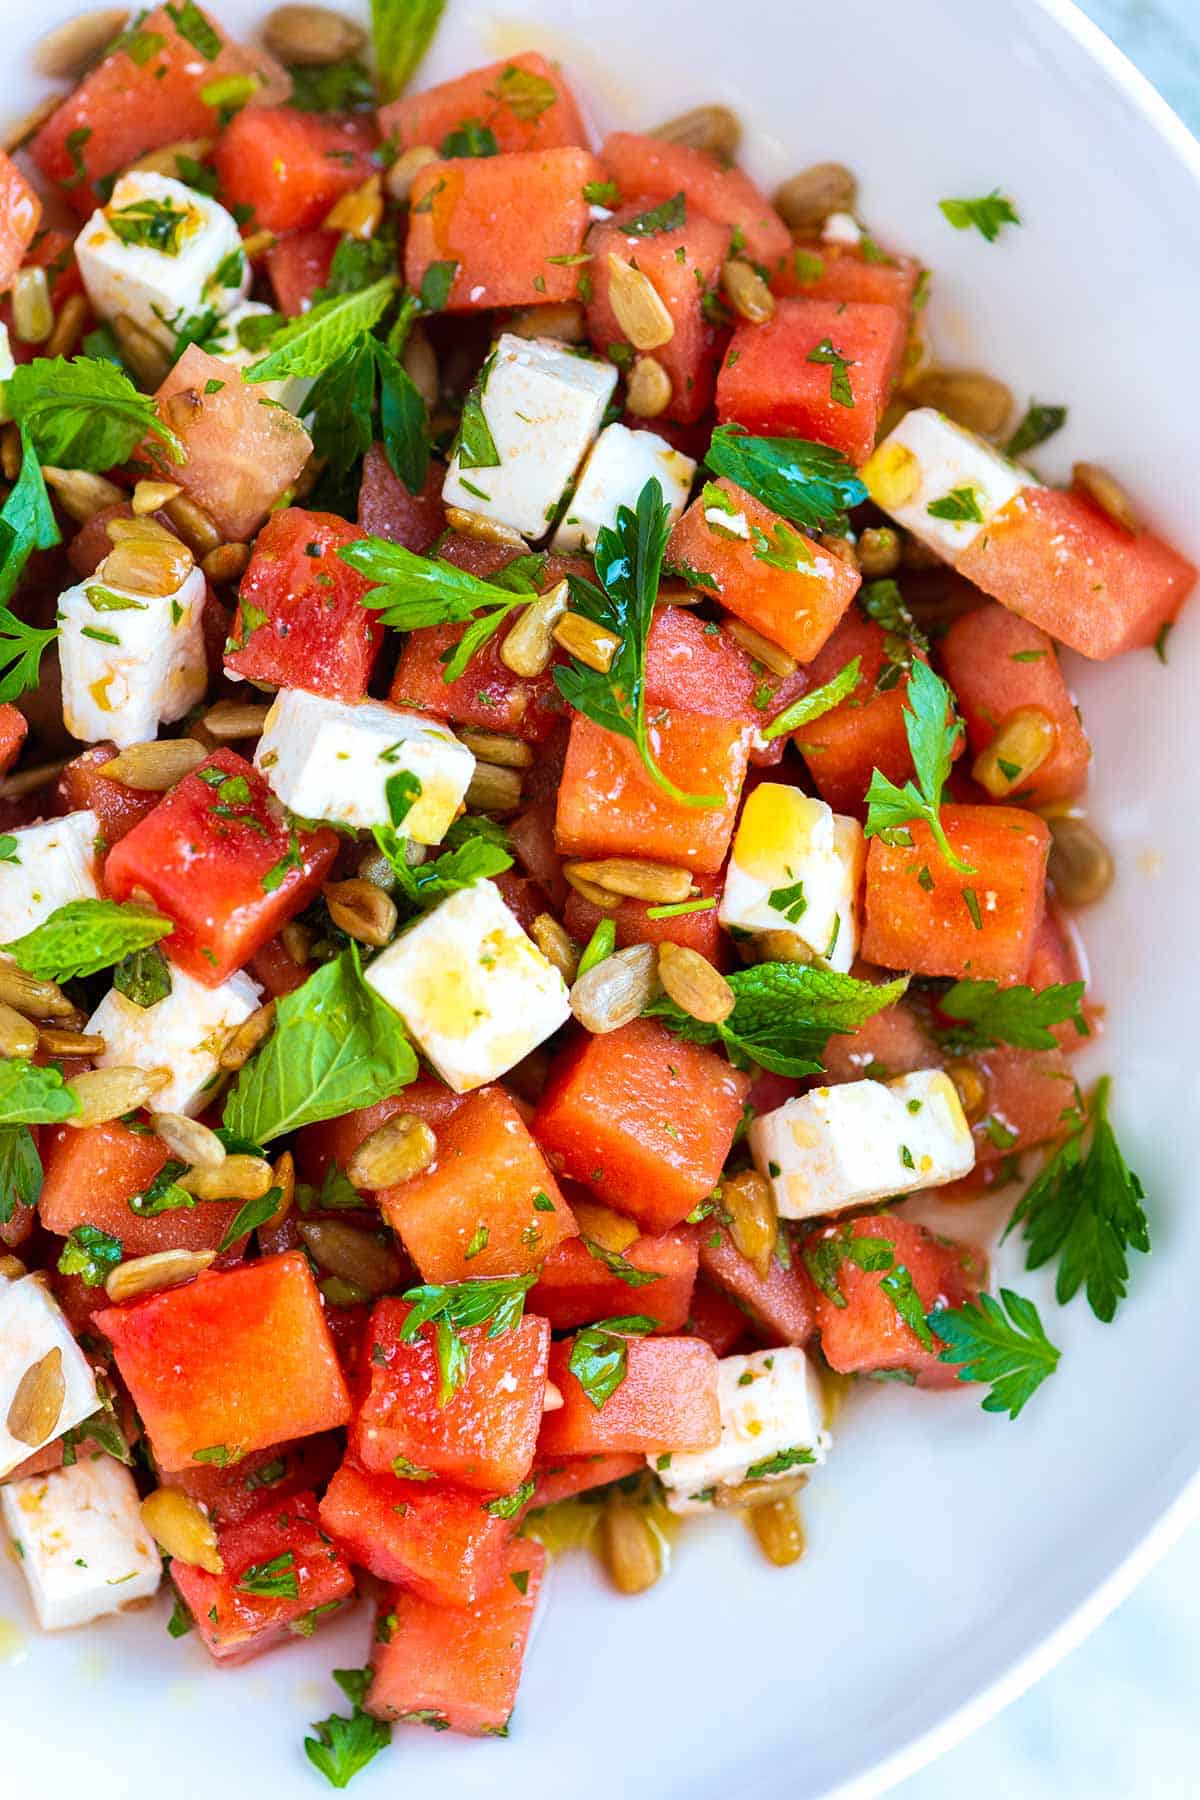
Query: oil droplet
pixel 13 1647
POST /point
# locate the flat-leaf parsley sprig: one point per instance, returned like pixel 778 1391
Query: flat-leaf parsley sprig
pixel 933 731
pixel 1085 1208
pixel 808 484
pixel 999 1341
pixel 628 562
pixel 413 592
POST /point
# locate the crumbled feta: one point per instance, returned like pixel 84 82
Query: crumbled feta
pixel 618 466
pixel 473 989
pixel 80 1541
pixel 542 405
pixel 925 460
pixel 31 1326
pixel 796 866
pixel 185 1032
pixel 772 1428
pixel 130 662
pixel 864 1140
pixel 841 228
pixel 161 253
pixel 49 865
pixel 333 759
pixel 225 341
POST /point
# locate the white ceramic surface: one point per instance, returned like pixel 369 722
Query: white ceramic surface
pixel 953 1555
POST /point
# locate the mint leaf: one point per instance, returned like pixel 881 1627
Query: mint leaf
pixel 619 1265
pixel 309 344
pixel 455 1307
pixel 336 1046
pixel 784 1014
pixel 20 1170
pixel 33 1096
pixel 668 215
pixel 599 1358
pixel 402 31
pixel 91 1254
pixel 85 936
pixel 806 483
pixel 817 703
pixel 1039 423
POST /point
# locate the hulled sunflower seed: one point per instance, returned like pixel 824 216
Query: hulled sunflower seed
pixel 36 1407
pixel 691 982
pixel 616 991
pixel 402 1147
pixel 149 1274
pixel 155 766
pixel 182 1529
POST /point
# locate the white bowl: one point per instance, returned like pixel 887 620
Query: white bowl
pixel 953 1555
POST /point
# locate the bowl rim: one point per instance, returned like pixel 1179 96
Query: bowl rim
pixel 1021 1674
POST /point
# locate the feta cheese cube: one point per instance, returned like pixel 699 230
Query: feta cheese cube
pixel 224 341
pixel 618 466
pixel 542 405
pixel 130 662
pixel 185 1032
pixel 841 228
pixel 926 459
pixel 160 253
pixel 865 1140
pixel 80 1541
pixel 51 864
pixel 473 989
pixel 772 1414
pixel 796 866
pixel 333 759
pixel 31 1326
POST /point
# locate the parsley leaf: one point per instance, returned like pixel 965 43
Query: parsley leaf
pixel 779 1463
pixel 817 703
pixel 808 484
pixel 526 95
pixel 20 666
pixel 471 137
pixel 1021 1016
pixel 960 506
pixel 507 1506
pixel 826 353
pixel 143 976
pixel 307 345
pixel 336 1046
pixel 784 1014
pixel 478 859
pixel 85 936
pixel 20 1170
pixel 273 1580
pixel 33 1096
pixel 249 1217
pixel 987 215
pixel 330 87
pixel 1039 423
pixel 455 1307
pixel 669 215
pixel 883 603
pixel 402 31
pixel 1013 1353
pixel 599 1358
pixel 414 591
pixel 931 739
pixel 84 413
pixel 628 560
pixel 344 1746
pixel 1085 1208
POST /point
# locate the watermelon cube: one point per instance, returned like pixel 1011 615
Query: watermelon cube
pixel 925 915
pixel 667 1401
pixel 513 225
pixel 91 1176
pixel 842 272
pixel 300 620
pixel 20 211
pixel 524 102
pixel 281 1575
pixel 815 370
pixel 780 1305
pixel 457 1667
pixel 216 857
pixel 242 450
pixel 436 1541
pixel 643 1118
pixel 580 1281
pixel 289 166
pixel 778 580
pixel 485 1434
pixel 230 1363
pixel 297 265
pixel 653 169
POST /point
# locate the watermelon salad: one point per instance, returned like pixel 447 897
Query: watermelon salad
pixel 541 808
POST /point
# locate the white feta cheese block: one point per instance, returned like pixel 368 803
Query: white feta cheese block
pixel 31 1326
pixel 796 866
pixel 618 466
pixel 543 406
pixel 333 759
pixel 185 1032
pixel 80 1541
pixel 772 1427
pixel 474 990
pixel 225 341
pixel 926 459
pixel 861 1141
pixel 130 662
pixel 7 366
pixel 49 865
pixel 160 253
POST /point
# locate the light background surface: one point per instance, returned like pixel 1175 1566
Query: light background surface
pixel 1118 1720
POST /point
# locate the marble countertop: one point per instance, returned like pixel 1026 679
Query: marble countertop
pixel 1118 1720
